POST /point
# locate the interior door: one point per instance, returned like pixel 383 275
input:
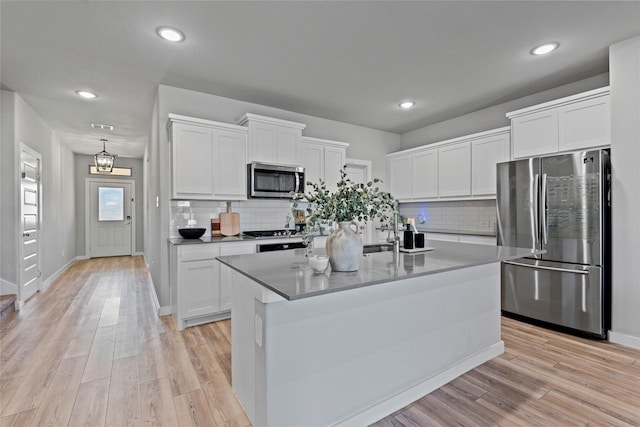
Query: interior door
pixel 110 217
pixel 359 174
pixel 30 224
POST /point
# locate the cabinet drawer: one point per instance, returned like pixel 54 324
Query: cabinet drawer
pixel 198 252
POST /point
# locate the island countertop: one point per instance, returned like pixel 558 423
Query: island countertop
pixel 288 274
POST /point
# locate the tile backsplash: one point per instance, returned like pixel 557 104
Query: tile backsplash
pixel 257 214
pixel 472 215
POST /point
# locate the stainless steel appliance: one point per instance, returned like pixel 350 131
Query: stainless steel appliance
pixel 261 234
pixel 268 247
pixel 266 180
pixel 559 204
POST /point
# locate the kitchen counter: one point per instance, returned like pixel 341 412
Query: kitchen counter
pixel 287 273
pixel 228 239
pixel 347 349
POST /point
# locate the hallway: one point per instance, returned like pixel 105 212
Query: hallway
pixel 92 351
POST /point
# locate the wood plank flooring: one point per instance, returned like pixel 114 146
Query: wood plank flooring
pixel 91 351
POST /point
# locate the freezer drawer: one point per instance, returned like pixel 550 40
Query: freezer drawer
pixel 561 294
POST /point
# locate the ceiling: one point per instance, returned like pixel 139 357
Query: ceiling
pixel 348 61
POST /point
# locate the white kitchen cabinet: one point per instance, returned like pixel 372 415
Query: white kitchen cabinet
pixel 273 140
pixel 208 159
pixel 454 170
pixel 239 248
pixel 584 124
pixel 462 238
pixel 425 174
pixel 197 285
pixel 400 169
pixel 486 152
pixel 576 122
pixel 323 159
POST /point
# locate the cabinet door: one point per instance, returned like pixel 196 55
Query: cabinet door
pixel 229 165
pixel 535 134
pixel 400 177
pixel 199 288
pixel 334 160
pixel 485 154
pixel 263 144
pixel 225 279
pixel 425 174
pixel 192 157
pixel 287 146
pixel 585 124
pixel 454 170
pixel 313 163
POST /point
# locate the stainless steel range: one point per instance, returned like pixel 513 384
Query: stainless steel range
pixel 262 234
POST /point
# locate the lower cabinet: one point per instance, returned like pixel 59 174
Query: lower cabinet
pixel 462 238
pixel 201 287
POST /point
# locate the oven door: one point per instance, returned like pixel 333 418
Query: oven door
pixel 274 181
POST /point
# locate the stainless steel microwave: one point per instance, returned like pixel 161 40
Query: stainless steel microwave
pixel 266 180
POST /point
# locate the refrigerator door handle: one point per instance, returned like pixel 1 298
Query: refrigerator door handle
pixel 543 209
pixel 543 267
pixel 536 207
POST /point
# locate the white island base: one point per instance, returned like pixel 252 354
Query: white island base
pixel 350 358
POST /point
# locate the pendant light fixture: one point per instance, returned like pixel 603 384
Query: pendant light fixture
pixel 104 160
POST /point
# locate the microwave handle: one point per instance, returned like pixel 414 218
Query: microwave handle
pixel 297 182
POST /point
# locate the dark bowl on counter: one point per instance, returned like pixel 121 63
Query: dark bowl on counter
pixel 191 233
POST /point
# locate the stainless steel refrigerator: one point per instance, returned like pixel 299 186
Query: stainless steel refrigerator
pixel 559 204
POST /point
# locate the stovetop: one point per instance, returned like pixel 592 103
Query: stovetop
pixel 269 233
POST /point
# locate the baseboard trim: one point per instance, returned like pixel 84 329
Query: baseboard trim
pixel 626 340
pixel 137 254
pixel 8 288
pixel 426 386
pixel 79 257
pixel 51 279
pixel 162 311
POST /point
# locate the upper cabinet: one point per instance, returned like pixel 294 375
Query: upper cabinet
pixel 322 160
pixel 456 169
pixel 208 159
pixel 486 152
pixel 571 123
pixel 273 140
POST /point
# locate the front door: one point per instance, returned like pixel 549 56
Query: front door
pixel 110 218
pixel 30 223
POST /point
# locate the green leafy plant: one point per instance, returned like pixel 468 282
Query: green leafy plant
pixel 351 201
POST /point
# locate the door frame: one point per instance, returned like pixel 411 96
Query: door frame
pixel 18 236
pixel 87 210
pixel 366 166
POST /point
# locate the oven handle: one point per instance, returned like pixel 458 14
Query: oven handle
pixel 543 267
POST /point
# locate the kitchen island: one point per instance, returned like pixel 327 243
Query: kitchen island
pixel 347 349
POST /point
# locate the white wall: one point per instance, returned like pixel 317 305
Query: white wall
pixel 366 144
pixel 494 117
pixel 20 124
pixel 81 166
pixel 624 66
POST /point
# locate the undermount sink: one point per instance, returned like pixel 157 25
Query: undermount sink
pixel 377 247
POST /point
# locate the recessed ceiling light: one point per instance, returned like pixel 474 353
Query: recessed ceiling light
pixel 407 104
pixel 86 94
pixel 544 48
pixel 170 34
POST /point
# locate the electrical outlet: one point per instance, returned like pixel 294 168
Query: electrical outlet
pixel 63 253
pixel 258 330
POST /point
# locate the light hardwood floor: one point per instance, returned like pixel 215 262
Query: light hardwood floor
pixel 91 351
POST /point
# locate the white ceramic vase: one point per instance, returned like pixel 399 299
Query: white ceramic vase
pixel 344 247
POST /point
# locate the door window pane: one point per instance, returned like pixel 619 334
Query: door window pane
pixel 110 204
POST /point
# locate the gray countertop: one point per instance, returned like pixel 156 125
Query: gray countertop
pixel 225 239
pixel 288 274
